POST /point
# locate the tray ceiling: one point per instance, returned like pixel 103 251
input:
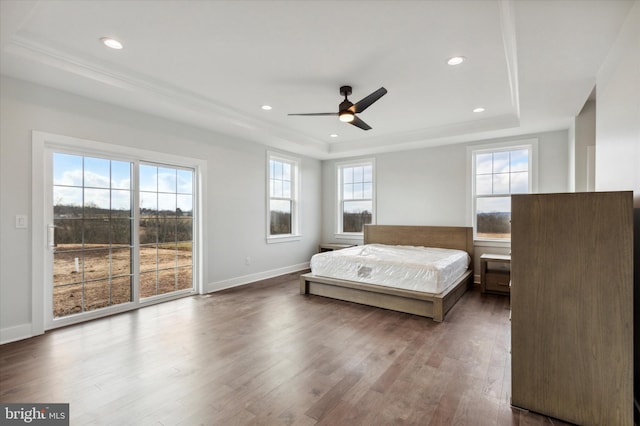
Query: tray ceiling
pixel 530 64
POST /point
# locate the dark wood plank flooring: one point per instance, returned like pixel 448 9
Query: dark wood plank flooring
pixel 264 354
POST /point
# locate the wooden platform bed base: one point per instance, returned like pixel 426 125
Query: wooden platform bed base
pixel 413 302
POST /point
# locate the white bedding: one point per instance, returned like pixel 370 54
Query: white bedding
pixel 426 269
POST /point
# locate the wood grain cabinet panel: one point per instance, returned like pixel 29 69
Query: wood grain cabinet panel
pixel 572 306
pixel 498 281
pixel 494 280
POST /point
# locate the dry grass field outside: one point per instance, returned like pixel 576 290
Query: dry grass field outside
pixel 107 280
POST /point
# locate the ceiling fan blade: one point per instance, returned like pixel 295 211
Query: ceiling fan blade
pixel 359 123
pixel 318 113
pixel 366 102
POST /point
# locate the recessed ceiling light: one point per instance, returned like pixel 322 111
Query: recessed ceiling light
pixel 456 60
pixel 111 43
pixel 266 107
pixel 479 109
pixel 333 135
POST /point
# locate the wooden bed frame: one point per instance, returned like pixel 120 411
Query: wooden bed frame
pixel 413 302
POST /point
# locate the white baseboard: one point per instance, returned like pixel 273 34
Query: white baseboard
pixel 12 334
pixel 246 279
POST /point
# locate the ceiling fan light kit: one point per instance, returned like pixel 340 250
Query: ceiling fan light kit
pixel 346 116
pixel 347 110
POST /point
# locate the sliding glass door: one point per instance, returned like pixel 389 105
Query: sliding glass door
pixel 166 230
pixel 121 234
pixel 93 222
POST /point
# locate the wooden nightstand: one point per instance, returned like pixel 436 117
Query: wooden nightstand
pixel 331 247
pixel 495 280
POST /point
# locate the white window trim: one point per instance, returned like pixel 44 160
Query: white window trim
pixel 296 234
pixel 43 144
pixel 338 199
pixel 532 145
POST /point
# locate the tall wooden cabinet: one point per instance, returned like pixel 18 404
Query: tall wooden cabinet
pixel 572 306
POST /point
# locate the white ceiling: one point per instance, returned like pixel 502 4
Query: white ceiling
pixel 530 63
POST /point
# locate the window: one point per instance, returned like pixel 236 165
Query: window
pixel 282 208
pixel 355 196
pixel 498 173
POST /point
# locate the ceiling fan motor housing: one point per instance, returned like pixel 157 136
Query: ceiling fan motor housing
pixel 346 104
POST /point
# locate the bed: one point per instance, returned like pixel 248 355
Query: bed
pixel 432 305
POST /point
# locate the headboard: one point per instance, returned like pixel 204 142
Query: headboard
pixel 453 237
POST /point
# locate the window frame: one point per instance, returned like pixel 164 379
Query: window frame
pixel 531 145
pixel 296 233
pixel 43 146
pixel 339 167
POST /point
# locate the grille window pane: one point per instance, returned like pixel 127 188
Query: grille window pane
pixel 498 174
pixel 282 203
pixel 356 198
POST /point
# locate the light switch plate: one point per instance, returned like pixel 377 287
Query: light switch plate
pixel 21 221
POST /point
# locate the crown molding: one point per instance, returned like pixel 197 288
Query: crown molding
pixel 144 86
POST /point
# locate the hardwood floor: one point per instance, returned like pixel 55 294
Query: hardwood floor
pixel 264 354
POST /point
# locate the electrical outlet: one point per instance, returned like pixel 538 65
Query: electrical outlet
pixel 247 260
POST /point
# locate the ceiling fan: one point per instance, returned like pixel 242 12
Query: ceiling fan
pixel 347 111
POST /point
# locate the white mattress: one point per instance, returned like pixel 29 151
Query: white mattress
pixel 427 269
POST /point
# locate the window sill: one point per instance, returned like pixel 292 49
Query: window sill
pixel 492 243
pixel 354 236
pixel 283 239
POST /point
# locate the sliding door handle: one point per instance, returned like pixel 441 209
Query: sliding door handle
pixel 51 233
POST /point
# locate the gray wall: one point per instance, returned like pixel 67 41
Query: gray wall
pixel 235 190
pixel 618 112
pixel 585 140
pixel 431 186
